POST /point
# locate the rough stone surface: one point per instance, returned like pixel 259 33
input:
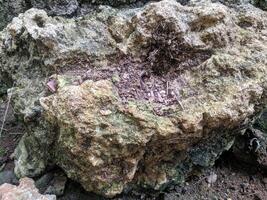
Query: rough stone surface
pixel 218 55
pixel 8 177
pixel 12 8
pixel 57 7
pixel 52 183
pixel 25 191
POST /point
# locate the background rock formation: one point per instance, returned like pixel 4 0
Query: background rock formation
pixel 122 97
pixel 74 8
pixel 10 9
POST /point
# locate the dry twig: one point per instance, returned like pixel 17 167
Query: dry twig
pixel 178 99
pixel 5 114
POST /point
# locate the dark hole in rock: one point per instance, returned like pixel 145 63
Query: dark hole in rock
pixel 245 24
pixel 260 4
pixel 169 51
pixel 39 21
pixel 183 2
pixel 28 4
pixel 6 83
pixel 87 143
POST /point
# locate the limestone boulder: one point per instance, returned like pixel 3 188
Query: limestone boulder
pixel 137 97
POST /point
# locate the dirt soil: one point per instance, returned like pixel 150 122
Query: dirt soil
pixel 229 179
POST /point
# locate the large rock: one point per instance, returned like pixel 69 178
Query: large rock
pixel 25 191
pixel 8 177
pixel 12 8
pixel 60 6
pixel 127 97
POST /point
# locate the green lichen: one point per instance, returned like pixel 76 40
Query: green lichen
pixel 2 151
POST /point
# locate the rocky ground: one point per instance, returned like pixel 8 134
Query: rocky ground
pixel 230 178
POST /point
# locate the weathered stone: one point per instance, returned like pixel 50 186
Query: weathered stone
pixel 106 143
pixel 43 182
pixel 57 186
pixel 8 177
pixel 25 191
pixel 12 8
pixel 52 183
pixel 56 7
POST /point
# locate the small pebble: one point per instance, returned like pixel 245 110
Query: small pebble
pixel 212 178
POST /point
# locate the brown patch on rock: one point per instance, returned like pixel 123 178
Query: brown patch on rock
pixel 142 81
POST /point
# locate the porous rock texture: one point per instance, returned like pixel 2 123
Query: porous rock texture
pixel 12 8
pixel 128 97
pixel 25 191
pixel 73 8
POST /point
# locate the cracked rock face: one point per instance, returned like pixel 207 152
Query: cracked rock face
pixel 131 97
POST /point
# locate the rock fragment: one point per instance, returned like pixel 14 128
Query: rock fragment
pixel 25 191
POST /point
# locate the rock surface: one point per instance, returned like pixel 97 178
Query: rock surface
pixel 73 8
pixel 52 183
pixel 131 97
pixel 25 191
pixel 12 8
pixel 8 177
